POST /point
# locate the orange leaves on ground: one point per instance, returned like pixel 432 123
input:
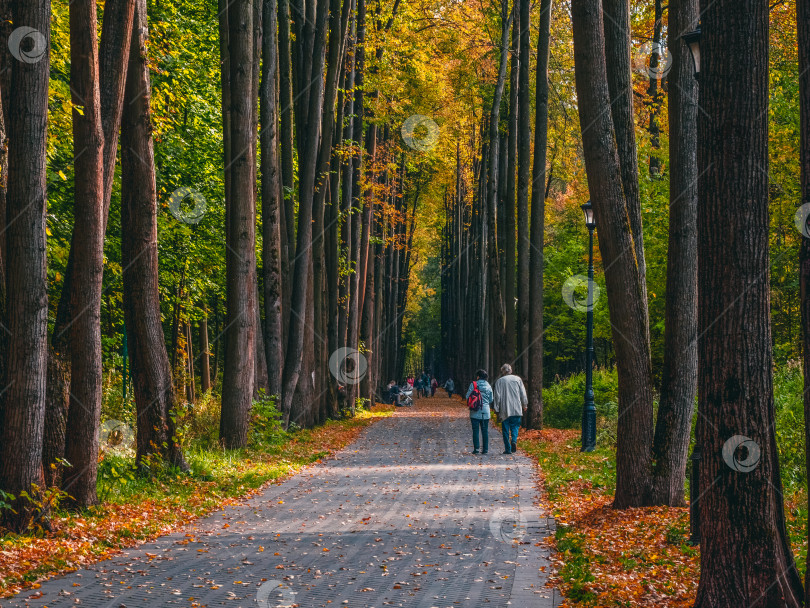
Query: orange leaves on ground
pixel 607 557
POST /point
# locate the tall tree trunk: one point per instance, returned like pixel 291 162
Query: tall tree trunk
pixel 116 32
pixel 113 56
pixel 84 412
pixel 272 201
pixel 205 355
pixel 240 354
pixel 286 133
pixel 191 386
pixel 622 272
pixel 151 372
pixel 620 84
pixel 27 302
pixel 310 128
pixel 496 298
pixel 745 556
pixel 803 31
pixel 508 230
pixel 524 169
pixel 535 411
pixel 679 381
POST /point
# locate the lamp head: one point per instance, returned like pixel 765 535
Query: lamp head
pixel 587 209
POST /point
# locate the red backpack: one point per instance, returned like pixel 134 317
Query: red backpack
pixel 474 401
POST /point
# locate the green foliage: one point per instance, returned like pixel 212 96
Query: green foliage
pixel 563 400
pixel 265 422
pixel 789 410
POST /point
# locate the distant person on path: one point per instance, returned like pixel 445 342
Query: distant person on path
pixel 434 384
pixel 511 402
pixel 480 417
pixel 420 387
pixel 450 387
pixel 409 381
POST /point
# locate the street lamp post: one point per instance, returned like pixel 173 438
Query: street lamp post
pixel 692 40
pixel 589 410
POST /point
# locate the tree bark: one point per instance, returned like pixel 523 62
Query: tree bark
pixel 620 84
pixel 507 231
pixel 524 168
pixel 113 56
pixel 622 272
pixel 746 558
pixel 27 310
pixel 679 380
pixel 151 372
pixel 496 298
pixel 535 411
pixel 272 201
pixel 205 355
pixel 191 385
pixel 240 354
pixel 310 128
pixel 87 247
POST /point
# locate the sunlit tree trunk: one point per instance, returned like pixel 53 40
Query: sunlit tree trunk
pixel 240 344
pixel 112 57
pixel 151 373
pixel 87 249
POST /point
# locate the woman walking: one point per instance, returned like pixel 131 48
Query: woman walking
pixel 479 397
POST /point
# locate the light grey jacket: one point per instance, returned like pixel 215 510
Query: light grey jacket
pixel 510 396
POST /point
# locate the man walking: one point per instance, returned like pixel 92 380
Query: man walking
pixel 510 402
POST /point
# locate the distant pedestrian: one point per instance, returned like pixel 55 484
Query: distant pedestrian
pixel 479 397
pixel 511 402
pixel 450 387
pixel 434 384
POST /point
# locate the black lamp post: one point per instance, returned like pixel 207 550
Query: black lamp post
pixel 692 40
pixel 589 410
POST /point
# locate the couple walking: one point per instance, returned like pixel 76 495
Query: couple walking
pixel 509 400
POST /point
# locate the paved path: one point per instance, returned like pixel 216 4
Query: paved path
pixel 405 516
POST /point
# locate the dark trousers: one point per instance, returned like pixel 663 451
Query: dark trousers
pixel 483 425
pixel 509 428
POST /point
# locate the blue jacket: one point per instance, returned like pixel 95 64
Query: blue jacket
pixel 486 398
